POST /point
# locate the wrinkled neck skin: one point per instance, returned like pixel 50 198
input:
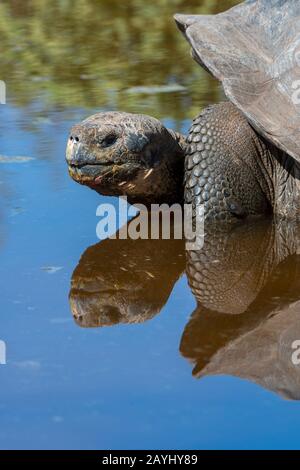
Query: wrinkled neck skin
pixel 282 177
pixel 284 172
pixel 161 184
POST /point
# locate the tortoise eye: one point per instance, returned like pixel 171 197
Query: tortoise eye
pixel 109 140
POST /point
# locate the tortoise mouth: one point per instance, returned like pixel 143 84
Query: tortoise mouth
pixel 79 166
pixel 104 175
pixel 92 174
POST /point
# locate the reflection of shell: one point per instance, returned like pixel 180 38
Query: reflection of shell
pixel 257 279
pixel 264 355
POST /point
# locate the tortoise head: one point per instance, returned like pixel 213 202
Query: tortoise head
pixel 122 154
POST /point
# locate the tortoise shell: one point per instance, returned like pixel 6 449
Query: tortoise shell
pixel 254 50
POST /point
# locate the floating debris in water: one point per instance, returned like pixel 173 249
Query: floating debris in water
pixel 51 269
pixel 38 79
pixel 28 365
pixel 4 159
pixel 57 419
pixel 17 211
pixel 153 90
pixel 86 76
pixel 42 121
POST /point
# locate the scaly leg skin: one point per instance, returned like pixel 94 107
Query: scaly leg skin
pixel 227 166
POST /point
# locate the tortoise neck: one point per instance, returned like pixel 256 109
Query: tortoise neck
pixel 179 138
pixel 163 184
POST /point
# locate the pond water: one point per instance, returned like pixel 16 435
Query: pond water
pixel 146 353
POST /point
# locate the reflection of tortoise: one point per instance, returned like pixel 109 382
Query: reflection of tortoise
pixel 246 283
pixel 124 281
pixel 241 157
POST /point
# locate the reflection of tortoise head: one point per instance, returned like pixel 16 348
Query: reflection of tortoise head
pixel 124 281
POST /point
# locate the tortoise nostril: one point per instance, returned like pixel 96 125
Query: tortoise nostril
pixel 74 139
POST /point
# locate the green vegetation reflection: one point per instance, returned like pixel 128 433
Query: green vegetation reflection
pixel 105 53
